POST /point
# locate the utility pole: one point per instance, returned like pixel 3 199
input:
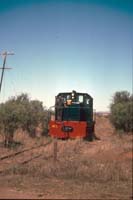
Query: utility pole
pixel 4 54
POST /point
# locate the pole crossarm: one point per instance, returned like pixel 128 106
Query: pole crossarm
pixel 4 54
pixel 6 68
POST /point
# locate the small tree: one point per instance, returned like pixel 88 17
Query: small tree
pixel 21 112
pixel 122 111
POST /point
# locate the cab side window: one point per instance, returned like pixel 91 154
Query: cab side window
pixel 80 98
pixel 87 101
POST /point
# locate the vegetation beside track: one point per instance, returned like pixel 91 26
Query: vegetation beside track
pixel 122 112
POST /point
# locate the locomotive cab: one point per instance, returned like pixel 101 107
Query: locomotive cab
pixel 73 116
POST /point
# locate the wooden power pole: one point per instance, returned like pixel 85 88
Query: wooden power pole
pixel 4 54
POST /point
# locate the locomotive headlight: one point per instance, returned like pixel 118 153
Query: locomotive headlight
pixel 72 95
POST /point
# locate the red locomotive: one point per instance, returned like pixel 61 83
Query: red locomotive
pixel 73 116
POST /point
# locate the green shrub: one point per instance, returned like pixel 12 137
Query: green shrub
pixel 122 111
pixel 21 112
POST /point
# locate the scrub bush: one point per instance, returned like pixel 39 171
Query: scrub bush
pixel 122 111
pixel 21 112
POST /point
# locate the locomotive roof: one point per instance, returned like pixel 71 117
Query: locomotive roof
pixel 79 93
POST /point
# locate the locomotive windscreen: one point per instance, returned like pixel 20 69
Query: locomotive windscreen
pixel 74 107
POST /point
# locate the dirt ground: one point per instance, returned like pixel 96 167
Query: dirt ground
pixel 101 169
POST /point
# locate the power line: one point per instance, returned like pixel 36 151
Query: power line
pixel 4 54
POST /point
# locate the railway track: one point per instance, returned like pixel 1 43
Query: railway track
pixel 22 151
pixel 18 158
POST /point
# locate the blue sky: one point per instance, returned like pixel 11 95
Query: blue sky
pixel 64 45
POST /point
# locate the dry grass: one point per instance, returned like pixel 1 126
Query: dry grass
pixel 71 165
pixel 100 169
pixel 75 176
